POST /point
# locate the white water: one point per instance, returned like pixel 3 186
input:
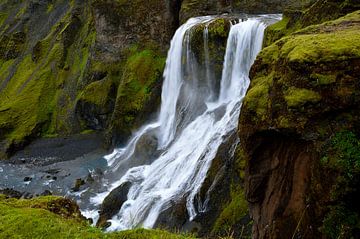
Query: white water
pixel 195 118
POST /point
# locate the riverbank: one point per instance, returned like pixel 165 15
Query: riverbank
pixel 58 166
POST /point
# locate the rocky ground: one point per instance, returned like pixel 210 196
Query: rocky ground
pixel 59 166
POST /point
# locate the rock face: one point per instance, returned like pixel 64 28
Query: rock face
pixel 77 66
pixel 94 65
pixel 191 8
pixel 299 127
pixel 73 66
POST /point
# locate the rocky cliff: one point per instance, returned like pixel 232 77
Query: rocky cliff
pixel 79 66
pixel 299 127
pixel 69 67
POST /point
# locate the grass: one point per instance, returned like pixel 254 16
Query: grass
pixel 34 219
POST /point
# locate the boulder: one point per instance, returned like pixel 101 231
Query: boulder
pixel 112 204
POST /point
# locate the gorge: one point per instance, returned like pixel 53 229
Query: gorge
pixel 93 79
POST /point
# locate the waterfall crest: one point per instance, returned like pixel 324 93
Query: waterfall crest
pixel 193 122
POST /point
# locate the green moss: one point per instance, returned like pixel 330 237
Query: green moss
pixel 50 7
pixel 320 12
pixel 232 213
pixel 97 92
pixel 339 45
pixel 323 79
pixel 21 11
pixel 275 31
pixel 5 69
pixel 219 27
pixel 298 69
pixel 334 40
pixel 283 122
pixel 296 97
pixel 41 92
pixel 3 17
pixel 257 98
pixel 34 219
pixel 342 158
pixel 142 71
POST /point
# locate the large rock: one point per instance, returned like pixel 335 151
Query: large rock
pixel 113 203
pixel 304 91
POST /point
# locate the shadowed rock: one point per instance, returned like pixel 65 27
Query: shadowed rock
pixel 112 204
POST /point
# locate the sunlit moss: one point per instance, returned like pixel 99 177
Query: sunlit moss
pixel 296 97
pixel 257 98
pixel 232 213
pixel 142 71
pixel 35 218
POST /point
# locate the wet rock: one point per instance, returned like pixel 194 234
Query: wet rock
pixel 27 195
pixel 90 179
pixel 215 191
pixel 46 193
pixel 78 183
pixel 174 217
pixel 11 193
pixel 27 179
pixel 112 204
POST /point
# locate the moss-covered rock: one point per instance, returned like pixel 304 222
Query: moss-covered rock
pixel 138 95
pixel 38 86
pixel 321 11
pixel 217 33
pixel 62 63
pixel 304 90
pixel 96 103
pixel 192 8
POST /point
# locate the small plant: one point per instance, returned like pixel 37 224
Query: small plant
pixel 343 159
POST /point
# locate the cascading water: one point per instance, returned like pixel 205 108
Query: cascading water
pixel 195 118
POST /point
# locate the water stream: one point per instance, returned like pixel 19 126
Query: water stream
pixel 167 160
pixel 191 126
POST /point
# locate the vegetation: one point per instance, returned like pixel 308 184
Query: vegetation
pixel 53 217
pixel 304 90
pixel 142 76
pixel 297 97
pixel 319 12
pixel 342 158
pixel 35 73
pixel 232 214
pixel 256 98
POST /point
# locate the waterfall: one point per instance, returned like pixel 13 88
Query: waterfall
pixel 193 122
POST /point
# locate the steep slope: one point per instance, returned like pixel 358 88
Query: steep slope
pixel 74 66
pixel 55 217
pixel 299 131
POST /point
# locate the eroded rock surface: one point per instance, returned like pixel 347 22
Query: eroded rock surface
pixel 303 100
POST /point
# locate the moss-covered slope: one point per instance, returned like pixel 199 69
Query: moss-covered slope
pixel 72 66
pixel 296 19
pixel 303 100
pixel 54 217
pixel 44 52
